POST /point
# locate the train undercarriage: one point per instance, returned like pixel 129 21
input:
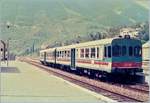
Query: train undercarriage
pixel 119 77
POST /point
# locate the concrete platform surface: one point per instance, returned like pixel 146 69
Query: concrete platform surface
pixel 24 83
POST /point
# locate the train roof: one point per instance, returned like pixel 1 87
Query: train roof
pixel 96 42
pixel 43 50
pixel 50 49
pixel 89 43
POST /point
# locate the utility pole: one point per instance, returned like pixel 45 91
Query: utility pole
pixel 8 27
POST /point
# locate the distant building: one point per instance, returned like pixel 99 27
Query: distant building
pixel 146 57
pixel 130 31
pixel 146 51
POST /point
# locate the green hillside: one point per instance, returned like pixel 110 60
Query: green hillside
pixel 43 22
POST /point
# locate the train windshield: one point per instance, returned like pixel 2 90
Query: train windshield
pixel 116 50
pixel 135 51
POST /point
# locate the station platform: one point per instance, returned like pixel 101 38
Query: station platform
pixel 24 83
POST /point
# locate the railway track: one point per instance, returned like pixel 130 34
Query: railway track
pixel 116 92
pixel 143 88
pixel 140 88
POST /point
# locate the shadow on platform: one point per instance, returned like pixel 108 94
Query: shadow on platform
pixel 9 70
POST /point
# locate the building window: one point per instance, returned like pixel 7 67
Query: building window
pixel 87 52
pixel 92 52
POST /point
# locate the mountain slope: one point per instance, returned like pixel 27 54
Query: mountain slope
pixel 47 21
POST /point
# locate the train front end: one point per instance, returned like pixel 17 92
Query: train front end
pixel 126 56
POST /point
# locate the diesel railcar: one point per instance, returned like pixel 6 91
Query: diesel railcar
pixel 96 58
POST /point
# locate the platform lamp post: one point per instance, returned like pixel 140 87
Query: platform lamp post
pixel 3 51
pixel 8 26
pixel 8 52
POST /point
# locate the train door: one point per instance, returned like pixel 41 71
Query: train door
pixel 73 59
pixel 107 58
pixel 55 55
pixel 44 57
pixel 107 53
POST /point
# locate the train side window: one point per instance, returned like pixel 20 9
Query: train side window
pixel 92 52
pixel 109 51
pixel 116 50
pixel 65 54
pixel 58 54
pixel 81 53
pixel 61 54
pixel 53 54
pixel 68 54
pixel 124 50
pixel 140 51
pixel 105 51
pixel 87 52
pixel 77 53
pixel 97 52
pixel 137 51
pixel 130 51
